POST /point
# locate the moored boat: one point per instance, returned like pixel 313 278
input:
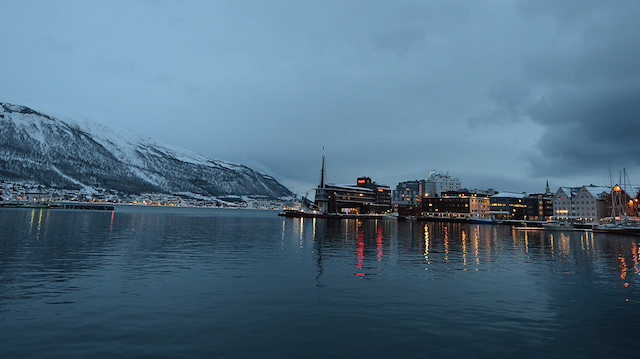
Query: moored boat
pixel 554 225
pixel 613 228
pixel 481 220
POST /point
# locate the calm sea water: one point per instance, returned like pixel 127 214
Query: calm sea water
pixel 156 282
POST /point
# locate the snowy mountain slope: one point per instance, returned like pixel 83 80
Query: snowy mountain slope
pixel 67 154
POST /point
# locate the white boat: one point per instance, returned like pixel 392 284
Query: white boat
pixel 557 226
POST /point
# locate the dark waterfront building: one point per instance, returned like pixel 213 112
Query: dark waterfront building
pixel 539 206
pixel 508 205
pixel 406 210
pixel 520 206
pixel 456 204
pixel 366 197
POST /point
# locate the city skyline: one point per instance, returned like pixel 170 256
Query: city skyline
pixel 501 94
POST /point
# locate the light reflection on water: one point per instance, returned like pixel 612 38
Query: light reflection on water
pixel 158 282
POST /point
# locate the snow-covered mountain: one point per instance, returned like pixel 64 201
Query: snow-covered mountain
pixel 65 154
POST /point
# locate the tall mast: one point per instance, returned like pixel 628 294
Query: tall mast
pixel 323 170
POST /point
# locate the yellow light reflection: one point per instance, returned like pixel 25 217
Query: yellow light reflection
pixel 39 225
pixel 476 237
pixel 426 245
pixel 565 245
pixel 634 253
pixel 33 213
pixel 623 267
pixel 464 248
pixel 314 229
pixel 446 244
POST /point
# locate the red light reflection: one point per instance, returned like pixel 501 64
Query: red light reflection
pixel 111 226
pixel 360 253
pixel 379 243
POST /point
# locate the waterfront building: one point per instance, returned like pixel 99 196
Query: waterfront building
pixel 408 193
pixel 590 203
pixel 622 202
pixel 562 202
pixel 586 203
pixel 456 204
pixel 366 197
pixel 438 183
pixel 407 198
pixel 508 205
pixel 539 206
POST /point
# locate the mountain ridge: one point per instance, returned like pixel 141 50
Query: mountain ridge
pixel 83 154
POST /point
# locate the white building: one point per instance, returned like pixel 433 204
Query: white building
pixel 479 206
pixel 586 203
pixel 438 183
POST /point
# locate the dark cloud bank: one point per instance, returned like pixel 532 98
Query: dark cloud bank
pixel 585 91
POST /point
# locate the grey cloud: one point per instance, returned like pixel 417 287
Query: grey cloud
pixel 587 129
pixel 582 87
pixel 510 99
pixel 592 108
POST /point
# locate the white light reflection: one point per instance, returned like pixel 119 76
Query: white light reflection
pixel 283 229
pixel 301 232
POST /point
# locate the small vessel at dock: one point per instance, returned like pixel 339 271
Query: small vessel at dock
pixel 481 220
pixel 554 225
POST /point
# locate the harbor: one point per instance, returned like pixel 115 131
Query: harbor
pixel 602 209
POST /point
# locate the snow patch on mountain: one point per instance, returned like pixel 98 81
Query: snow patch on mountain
pixel 38 147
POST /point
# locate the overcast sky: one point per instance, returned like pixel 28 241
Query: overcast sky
pixel 502 94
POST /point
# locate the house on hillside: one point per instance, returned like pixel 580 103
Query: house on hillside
pixel 35 196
